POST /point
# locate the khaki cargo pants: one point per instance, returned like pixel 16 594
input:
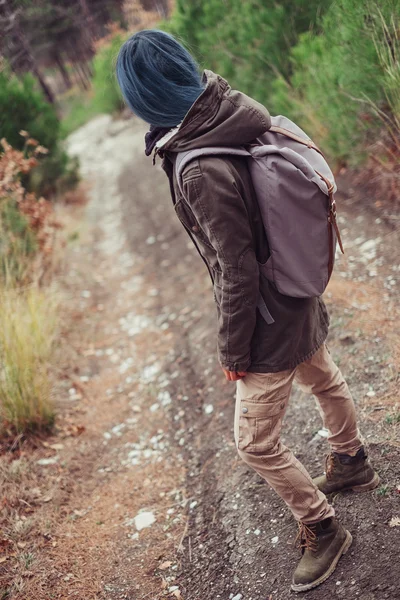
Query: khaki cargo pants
pixel 261 403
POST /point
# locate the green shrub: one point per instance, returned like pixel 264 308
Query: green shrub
pixel 22 107
pixel 246 42
pixel 345 82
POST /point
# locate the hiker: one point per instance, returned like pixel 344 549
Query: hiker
pixel 266 337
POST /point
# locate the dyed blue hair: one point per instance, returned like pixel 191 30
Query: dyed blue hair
pixel 158 77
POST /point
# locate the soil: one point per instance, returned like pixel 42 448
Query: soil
pixel 145 421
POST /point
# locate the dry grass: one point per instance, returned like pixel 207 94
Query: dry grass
pixel 28 324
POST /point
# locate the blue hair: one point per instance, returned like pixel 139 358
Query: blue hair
pixel 158 77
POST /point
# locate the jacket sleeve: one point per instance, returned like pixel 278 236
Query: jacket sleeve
pixel 220 210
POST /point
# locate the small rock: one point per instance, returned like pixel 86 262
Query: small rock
pixel 48 461
pixel 257 532
pixel 275 539
pixel 347 339
pixel 144 519
pixel 56 446
pixel 323 433
pixel 208 409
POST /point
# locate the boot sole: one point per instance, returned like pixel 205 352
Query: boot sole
pixel 309 586
pixel 365 487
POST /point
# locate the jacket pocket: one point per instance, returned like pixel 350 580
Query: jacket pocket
pixel 187 218
pixel 260 424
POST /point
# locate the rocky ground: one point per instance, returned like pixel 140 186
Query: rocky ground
pixel 139 494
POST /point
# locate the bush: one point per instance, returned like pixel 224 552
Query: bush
pixel 334 67
pixel 22 107
pixel 28 314
pixel 345 82
pixel 247 42
pixel 27 224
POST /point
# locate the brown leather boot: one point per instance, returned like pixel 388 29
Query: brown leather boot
pixel 322 545
pixel 345 472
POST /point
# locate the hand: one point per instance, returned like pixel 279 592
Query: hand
pixel 234 375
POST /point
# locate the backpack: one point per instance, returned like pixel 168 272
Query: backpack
pixel 294 187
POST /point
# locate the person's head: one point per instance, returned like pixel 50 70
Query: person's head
pixel 158 77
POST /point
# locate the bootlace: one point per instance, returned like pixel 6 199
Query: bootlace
pixel 306 538
pixel 330 464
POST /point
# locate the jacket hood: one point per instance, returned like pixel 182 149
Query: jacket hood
pixel 219 117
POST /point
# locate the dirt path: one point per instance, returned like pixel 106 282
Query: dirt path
pixel 146 437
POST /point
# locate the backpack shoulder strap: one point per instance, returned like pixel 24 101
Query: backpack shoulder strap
pixel 183 158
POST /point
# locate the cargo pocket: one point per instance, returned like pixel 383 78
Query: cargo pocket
pixel 260 424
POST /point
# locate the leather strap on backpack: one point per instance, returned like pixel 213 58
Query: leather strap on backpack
pixel 309 143
pixel 332 210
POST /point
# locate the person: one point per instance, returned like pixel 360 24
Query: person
pixel 185 109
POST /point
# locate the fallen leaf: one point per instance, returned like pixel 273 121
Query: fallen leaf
pixel 394 522
pixel 3 559
pixel 164 584
pixel 57 446
pixel 47 498
pixel 177 594
pixel 165 565
pixel 21 545
pixel 4 544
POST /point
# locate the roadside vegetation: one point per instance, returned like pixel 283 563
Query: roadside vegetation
pixel 333 67
pixel 24 107
pixel 28 316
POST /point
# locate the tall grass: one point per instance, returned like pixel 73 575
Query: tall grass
pixel 386 37
pixel 28 325
pixel 28 313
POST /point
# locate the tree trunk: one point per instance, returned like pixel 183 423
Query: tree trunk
pixel 15 29
pixel 61 67
pixel 82 77
pixel 90 31
pixel 33 65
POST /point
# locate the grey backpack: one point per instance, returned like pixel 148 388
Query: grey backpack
pixel 294 187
